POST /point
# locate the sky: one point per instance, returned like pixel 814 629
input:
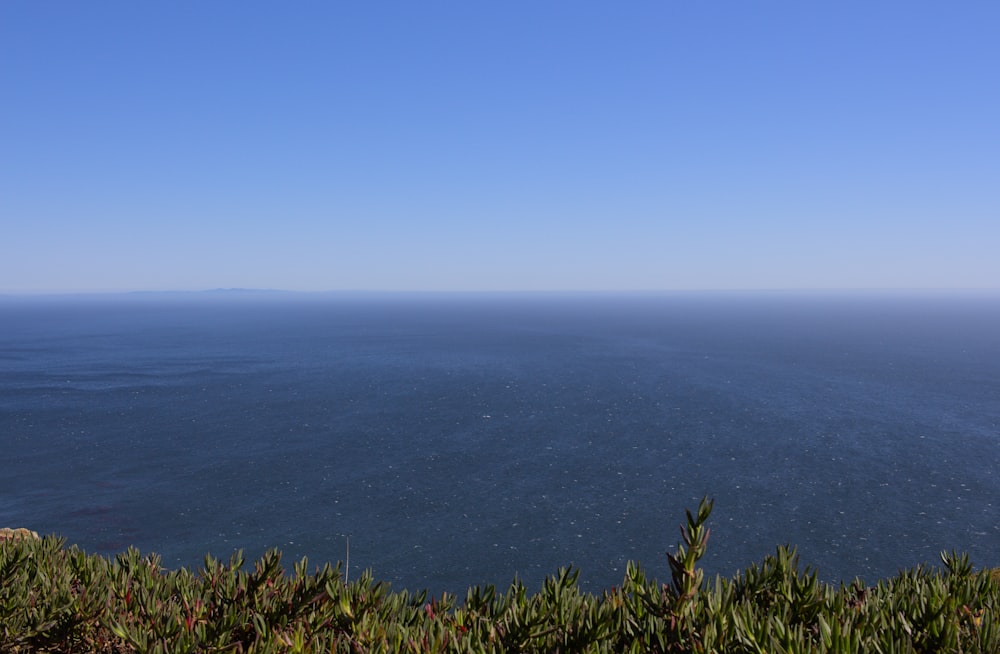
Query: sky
pixel 499 146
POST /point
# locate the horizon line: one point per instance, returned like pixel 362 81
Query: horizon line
pixel 232 291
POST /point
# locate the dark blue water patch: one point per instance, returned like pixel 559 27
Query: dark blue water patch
pixel 462 440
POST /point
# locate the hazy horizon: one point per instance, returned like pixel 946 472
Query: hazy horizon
pixel 553 293
pixel 648 147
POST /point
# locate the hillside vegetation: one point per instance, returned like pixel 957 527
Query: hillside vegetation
pixel 59 599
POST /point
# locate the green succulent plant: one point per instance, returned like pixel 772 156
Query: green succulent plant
pixel 60 600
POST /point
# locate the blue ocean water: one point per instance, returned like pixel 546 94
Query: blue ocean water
pixel 462 439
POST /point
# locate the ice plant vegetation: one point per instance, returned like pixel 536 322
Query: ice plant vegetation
pixel 59 599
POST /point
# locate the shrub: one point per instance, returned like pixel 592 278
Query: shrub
pixel 59 599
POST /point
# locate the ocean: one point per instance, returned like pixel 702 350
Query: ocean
pixel 451 440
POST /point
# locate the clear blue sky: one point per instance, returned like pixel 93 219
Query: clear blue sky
pixel 499 145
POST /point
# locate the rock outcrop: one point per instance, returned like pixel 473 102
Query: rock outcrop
pixel 7 533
